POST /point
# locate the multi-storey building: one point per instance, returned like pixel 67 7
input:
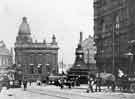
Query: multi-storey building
pixel 36 59
pixel 89 50
pixel 5 58
pixel 114 34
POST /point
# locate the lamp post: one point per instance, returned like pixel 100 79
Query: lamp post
pixel 113 50
pixel 103 59
pixel 62 67
pixel 117 26
pixel 88 59
pixel 115 31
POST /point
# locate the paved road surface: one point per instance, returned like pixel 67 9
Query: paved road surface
pixel 52 92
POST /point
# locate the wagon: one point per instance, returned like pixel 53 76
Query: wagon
pixel 126 83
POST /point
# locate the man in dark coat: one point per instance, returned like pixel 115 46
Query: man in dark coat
pixel 25 84
pixel 98 84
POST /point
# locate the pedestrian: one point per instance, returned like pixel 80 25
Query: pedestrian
pixel 90 84
pixel 61 83
pixel 0 88
pixel 20 82
pixel 113 86
pixel 77 80
pixel 11 84
pixel 98 84
pixel 25 84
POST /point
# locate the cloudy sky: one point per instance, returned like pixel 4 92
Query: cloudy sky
pixel 64 18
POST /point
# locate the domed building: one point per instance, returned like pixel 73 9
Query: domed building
pixel 35 60
pixel 5 58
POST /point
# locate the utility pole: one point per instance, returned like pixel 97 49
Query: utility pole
pixel 117 26
pixel 113 50
pixel 88 59
pixel 62 65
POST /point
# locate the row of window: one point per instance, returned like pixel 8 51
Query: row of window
pixel 106 26
pixel 36 69
pixel 102 3
pixel 37 59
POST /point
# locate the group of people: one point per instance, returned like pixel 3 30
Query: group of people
pixel 97 81
pixel 94 83
pixel 70 82
pixel 91 82
pixel 66 82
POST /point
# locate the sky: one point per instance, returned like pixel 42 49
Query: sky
pixel 64 18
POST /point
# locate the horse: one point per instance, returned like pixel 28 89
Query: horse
pixel 105 79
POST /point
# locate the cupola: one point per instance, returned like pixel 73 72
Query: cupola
pixel 24 27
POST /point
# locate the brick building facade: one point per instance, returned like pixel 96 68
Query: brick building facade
pixel 114 34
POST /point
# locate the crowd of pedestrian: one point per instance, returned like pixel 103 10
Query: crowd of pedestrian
pixel 94 83
pixel 97 82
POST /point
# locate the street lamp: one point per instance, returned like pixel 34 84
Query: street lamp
pixel 88 57
pixel 116 27
pixel 103 60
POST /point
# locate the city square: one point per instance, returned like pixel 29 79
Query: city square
pixel 67 49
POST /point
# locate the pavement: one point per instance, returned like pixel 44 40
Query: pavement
pixel 54 92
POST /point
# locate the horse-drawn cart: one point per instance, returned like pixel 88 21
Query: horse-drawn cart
pixel 126 83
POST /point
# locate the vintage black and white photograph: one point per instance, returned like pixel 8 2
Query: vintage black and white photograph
pixel 67 49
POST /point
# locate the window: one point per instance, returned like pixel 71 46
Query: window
pixel 117 25
pixel 39 69
pixel 103 27
pixel 31 69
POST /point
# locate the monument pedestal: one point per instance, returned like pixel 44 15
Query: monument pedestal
pixel 79 70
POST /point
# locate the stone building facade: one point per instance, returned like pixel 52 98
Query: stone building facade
pixel 89 50
pixel 37 59
pixel 114 34
pixel 5 58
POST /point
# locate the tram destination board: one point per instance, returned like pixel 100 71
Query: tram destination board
pixel 31 76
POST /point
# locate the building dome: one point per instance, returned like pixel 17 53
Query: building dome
pixel 24 27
